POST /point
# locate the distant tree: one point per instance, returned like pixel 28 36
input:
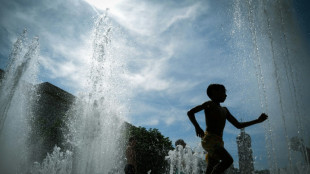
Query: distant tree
pixel 151 149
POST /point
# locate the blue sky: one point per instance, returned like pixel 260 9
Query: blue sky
pixel 172 50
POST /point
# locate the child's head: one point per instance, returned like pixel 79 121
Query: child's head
pixel 216 92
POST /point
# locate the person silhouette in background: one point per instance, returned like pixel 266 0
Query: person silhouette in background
pixel 131 166
pixel 298 144
pixel 180 151
pixel 218 158
pixel 180 142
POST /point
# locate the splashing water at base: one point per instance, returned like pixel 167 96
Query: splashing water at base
pixel 186 160
pixel 55 163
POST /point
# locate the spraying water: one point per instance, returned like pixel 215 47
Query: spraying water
pixel 269 37
pixel 94 121
pixel 96 117
pixel 16 97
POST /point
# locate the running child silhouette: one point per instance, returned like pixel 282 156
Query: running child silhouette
pixel 212 139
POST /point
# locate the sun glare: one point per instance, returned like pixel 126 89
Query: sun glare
pixel 103 4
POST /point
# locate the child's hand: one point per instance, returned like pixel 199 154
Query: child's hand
pixel 262 117
pixel 199 132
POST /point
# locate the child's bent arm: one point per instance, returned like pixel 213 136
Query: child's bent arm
pixel 241 125
pixel 191 116
pixel 196 109
pixel 233 121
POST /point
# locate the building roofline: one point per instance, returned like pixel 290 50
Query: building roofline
pixel 51 89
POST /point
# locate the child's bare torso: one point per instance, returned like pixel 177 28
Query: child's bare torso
pixel 215 117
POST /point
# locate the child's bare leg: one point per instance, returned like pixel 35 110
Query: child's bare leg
pixel 211 164
pixel 226 161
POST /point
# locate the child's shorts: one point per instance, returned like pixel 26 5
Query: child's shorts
pixel 210 142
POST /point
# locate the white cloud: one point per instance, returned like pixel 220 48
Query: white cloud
pixel 151 76
pixel 69 60
pixel 65 50
pixel 149 122
pixel 146 17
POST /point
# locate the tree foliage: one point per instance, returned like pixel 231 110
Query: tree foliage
pixel 151 149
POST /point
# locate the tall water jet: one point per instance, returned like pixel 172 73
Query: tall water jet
pixel 267 36
pixel 95 119
pixel 16 97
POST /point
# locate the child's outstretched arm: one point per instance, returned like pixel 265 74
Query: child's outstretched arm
pixel 241 125
pixel 191 116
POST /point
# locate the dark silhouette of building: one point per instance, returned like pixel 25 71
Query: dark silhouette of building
pixel 48 123
pixel 246 162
